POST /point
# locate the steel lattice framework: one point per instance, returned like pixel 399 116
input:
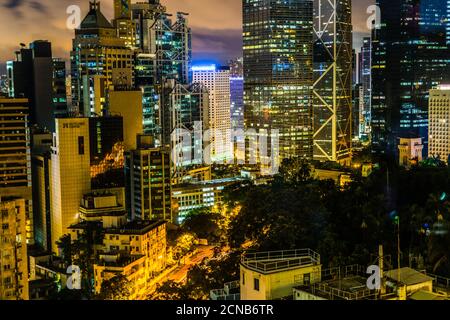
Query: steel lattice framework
pixel 332 95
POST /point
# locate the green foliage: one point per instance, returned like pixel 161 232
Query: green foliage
pixel 116 288
pixel 203 278
pixel 204 223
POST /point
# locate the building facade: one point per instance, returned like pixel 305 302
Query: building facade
pixel 439 123
pixel 70 174
pixel 332 89
pixel 278 71
pixel 96 51
pixel 410 57
pixel 217 81
pixel 13 248
pixel 148 182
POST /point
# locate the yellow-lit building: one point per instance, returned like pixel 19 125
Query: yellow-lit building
pixel 128 104
pixel 137 249
pixel 69 175
pixel 13 249
pixel 132 267
pixel 272 275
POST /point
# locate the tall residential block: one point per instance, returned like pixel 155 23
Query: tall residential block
pixel 13 248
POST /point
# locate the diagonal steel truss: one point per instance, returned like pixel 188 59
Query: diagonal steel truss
pixel 332 104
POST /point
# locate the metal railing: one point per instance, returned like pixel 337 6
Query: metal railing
pixel 221 295
pixel 279 260
pixel 333 293
pixel 438 281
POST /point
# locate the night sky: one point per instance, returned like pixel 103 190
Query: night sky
pixel 216 25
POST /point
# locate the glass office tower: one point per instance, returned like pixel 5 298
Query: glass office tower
pixel 278 71
pixel 332 92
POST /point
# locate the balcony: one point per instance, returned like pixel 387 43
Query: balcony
pixel 276 261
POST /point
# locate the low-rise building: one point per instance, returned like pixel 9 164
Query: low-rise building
pixel 191 196
pixel 273 275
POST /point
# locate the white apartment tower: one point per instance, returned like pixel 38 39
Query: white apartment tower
pixel 217 81
pixel 439 123
pixel 70 174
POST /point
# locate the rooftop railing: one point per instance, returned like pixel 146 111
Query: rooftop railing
pixel 273 261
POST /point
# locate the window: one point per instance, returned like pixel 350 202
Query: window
pixel 243 278
pixel 307 279
pixel 256 284
pixel 81 145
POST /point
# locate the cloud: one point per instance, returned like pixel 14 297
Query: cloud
pixel 216 24
pixel 221 45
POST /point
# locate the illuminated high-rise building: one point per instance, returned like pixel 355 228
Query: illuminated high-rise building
pixel 59 88
pixel 37 76
pixel 237 102
pixel 125 26
pixel 13 248
pixel 15 157
pixel 365 79
pixel 164 54
pixel 217 81
pixel 410 56
pixel 189 118
pixel 439 123
pixel 278 71
pixel 96 51
pixel 70 174
pixel 148 181
pixel 332 90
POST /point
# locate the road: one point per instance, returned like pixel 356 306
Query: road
pixel 179 274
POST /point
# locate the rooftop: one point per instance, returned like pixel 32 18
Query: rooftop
pixel 408 276
pixel 278 261
pixel 137 227
pixel 95 18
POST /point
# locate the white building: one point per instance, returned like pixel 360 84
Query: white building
pixel 70 174
pixel 439 120
pixel 217 80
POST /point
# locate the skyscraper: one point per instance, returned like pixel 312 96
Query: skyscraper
pixel 365 79
pixel 35 75
pixel 332 90
pixel 59 88
pixel 410 56
pixel 70 174
pixel 189 118
pixel 164 54
pixel 96 51
pixel 148 178
pixel 237 93
pixel 278 71
pixel 217 81
pixel 15 158
pixel 125 26
pixel 439 123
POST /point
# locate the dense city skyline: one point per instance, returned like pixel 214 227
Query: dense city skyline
pixel 241 150
pixel 217 28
